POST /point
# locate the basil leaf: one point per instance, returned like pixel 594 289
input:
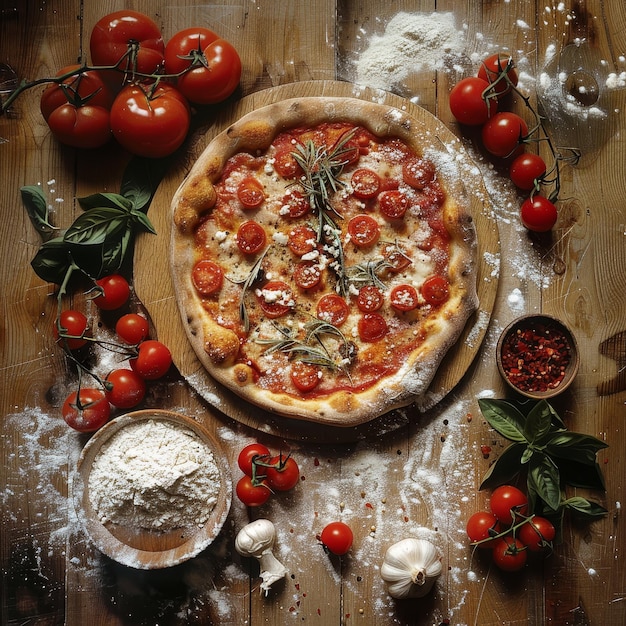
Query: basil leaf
pixel 37 210
pixel 503 417
pixel 544 479
pixel 141 179
pixel 575 446
pixel 505 467
pixel 538 422
pixel 580 474
pixel 114 255
pixel 105 200
pixel 584 508
pixel 142 219
pixel 96 226
pixel 52 261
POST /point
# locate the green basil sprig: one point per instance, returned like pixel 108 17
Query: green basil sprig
pixel 551 456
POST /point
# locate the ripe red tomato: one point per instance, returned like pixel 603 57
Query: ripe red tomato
pixel 370 299
pixel 469 102
pixel 86 410
pixel 435 289
pixel 284 475
pixel 404 298
pixel 73 327
pixel 538 214
pixel 305 376
pixel 114 292
pixel 307 274
pixel 132 328
pixel 125 388
pixel 251 237
pixel 505 500
pixel 275 299
pixel 365 183
pixel 418 172
pixel 504 133
pixel 537 533
pixel 372 327
pixel 493 67
pixel 393 204
pixel 250 193
pixel 480 527
pixel 84 127
pixel 251 494
pixel 363 230
pixel 250 453
pixel 527 171
pixel 337 537
pixel 115 34
pixel 207 277
pixel 509 554
pixel 153 360
pixel 150 120
pixel 212 65
pixel 333 309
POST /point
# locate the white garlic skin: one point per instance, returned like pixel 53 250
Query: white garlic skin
pixel 410 568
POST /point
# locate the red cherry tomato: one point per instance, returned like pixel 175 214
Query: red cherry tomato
pixel 295 204
pixel 207 277
pixel 469 102
pixel 73 326
pixel 113 293
pixel 504 133
pixel 302 240
pixel 404 298
pixel 480 527
pixel 363 230
pixel 211 66
pixel 393 204
pixel 527 171
pixel 284 475
pixel 276 299
pixel 370 299
pixel 251 494
pixel 84 126
pixel 333 309
pixel 507 501
pixel 150 120
pixel 127 388
pixel 285 164
pixel 494 67
pixel 250 453
pixel 365 183
pixel 337 537
pixel 435 289
pixel 86 410
pixel 153 360
pixel 396 259
pixel 538 214
pixel 305 376
pixel 250 193
pixel 251 237
pixel 132 328
pixel 371 327
pixel 509 554
pixel 307 274
pixel 537 534
pixel 418 172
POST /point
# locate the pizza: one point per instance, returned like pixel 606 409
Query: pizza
pixel 324 258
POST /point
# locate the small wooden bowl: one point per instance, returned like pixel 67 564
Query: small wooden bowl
pixel 536 322
pixel 143 548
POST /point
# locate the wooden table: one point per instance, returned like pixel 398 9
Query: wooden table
pixel 389 481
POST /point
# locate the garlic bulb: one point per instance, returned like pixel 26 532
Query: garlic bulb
pixel 256 539
pixel 410 568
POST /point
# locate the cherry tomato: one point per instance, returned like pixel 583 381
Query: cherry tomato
pixel 150 120
pixel 84 126
pixel 469 102
pixel 418 172
pixel 333 309
pixel 396 259
pixel 74 324
pixel 404 298
pixel 527 171
pixel 285 164
pixel 305 376
pixel 275 299
pixel 435 289
pixel 250 453
pixel 337 537
pixel 117 33
pixel 538 214
pixel 393 204
pixel 302 240
pixel 113 293
pixel 86 410
pixel 480 527
pixel 363 230
pixel 504 133
pixel 153 360
pixel 506 500
pixel 370 299
pixel 251 237
pixel 207 277
pixel 494 67
pixel 212 65
pixel 251 494
pixel 132 328
pixel 250 193
pixel 365 183
pixel 371 327
pixel 294 204
pixel 127 388
pixel 509 554
pixel 284 475
pixel 307 274
pixel 537 534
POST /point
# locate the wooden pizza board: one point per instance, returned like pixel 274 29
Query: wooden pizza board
pixel 154 287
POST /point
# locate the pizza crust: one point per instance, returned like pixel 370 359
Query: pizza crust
pixel 216 347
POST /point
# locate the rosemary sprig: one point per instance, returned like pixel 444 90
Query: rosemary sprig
pixel 367 273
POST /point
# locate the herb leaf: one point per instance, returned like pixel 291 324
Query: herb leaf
pixel 544 480
pixel 584 507
pixel 505 468
pixel 100 200
pixel 575 447
pixel 538 423
pixel 52 261
pixel 37 210
pixel 503 417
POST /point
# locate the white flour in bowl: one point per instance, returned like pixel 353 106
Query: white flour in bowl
pixel 156 475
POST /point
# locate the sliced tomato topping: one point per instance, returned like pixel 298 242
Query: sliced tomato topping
pixel 333 309
pixel 363 230
pixel 393 204
pixel 365 183
pixel 404 298
pixel 372 327
pixel 295 204
pixel 307 274
pixel 207 277
pixel 396 258
pixel 302 240
pixel 250 193
pixel 251 237
pixel 435 289
pixel 275 298
pixel 305 376
pixel 370 299
pixel 418 172
pixel 285 164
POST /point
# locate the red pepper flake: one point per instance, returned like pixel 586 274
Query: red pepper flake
pixel 535 359
pixel 316 462
pixel 368 505
pixel 486 451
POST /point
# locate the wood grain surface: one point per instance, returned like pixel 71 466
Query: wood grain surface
pixel 413 474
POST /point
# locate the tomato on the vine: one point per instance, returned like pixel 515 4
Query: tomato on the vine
pixel 493 68
pixel 284 474
pixel 480 528
pixel 211 65
pixel 507 501
pixel 527 171
pixel 537 533
pixel 86 127
pixel 86 410
pixel 150 120
pixel 252 494
pixel 509 554
pixel 470 103
pixel 504 133
pixel 250 453
pixel 132 328
pixel 73 327
pixel 153 360
pixel 337 537
pixel 113 292
pixel 125 388
pixel 538 214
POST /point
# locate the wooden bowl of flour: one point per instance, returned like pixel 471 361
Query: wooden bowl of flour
pixel 152 488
